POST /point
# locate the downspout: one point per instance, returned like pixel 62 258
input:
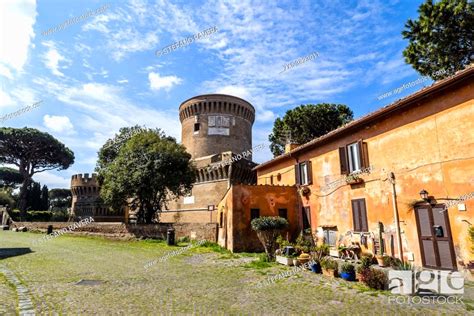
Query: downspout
pixel 395 216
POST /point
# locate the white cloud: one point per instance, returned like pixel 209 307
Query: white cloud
pixel 53 181
pixel 167 82
pixel 17 18
pixel 122 81
pixel 60 124
pixel 52 58
pixel 103 109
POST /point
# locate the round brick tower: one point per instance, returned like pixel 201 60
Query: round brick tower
pixel 215 123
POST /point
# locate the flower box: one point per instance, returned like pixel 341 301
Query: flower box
pixel 284 260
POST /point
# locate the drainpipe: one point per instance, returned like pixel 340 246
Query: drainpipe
pixel 395 215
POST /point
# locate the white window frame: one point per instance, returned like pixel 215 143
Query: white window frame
pixel 353 155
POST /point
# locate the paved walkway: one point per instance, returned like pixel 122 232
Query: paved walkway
pixel 25 306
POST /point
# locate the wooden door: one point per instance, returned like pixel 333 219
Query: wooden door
pixel 434 233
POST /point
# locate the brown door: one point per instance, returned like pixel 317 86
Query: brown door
pixel 434 233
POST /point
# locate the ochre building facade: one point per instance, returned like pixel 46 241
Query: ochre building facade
pixel 400 177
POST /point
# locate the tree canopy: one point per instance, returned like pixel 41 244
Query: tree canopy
pixel 10 177
pixel 307 122
pixel 441 39
pixel 32 151
pixel 143 171
pixel 60 199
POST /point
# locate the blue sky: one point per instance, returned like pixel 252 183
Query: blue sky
pixel 101 73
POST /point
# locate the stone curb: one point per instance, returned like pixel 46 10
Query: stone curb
pixel 25 306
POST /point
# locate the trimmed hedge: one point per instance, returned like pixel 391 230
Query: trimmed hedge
pixel 39 216
pixel 269 223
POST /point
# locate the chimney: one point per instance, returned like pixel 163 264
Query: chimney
pixel 290 146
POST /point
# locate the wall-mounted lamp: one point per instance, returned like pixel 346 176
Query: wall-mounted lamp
pixel 424 195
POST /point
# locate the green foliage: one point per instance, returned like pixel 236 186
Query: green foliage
pixel 32 151
pixel 366 260
pixel 184 239
pixel 375 279
pixel 329 263
pixel 10 177
pixel 471 237
pixel 32 216
pixel 44 198
pixel 269 223
pixel 348 267
pixel 60 199
pixel 303 244
pixel 320 251
pixel 404 266
pixel 387 260
pixel 214 247
pixel 59 215
pixel 33 196
pixel 282 242
pixel 268 228
pixel 261 263
pixel 441 39
pixel 307 122
pixel 6 199
pixel 146 170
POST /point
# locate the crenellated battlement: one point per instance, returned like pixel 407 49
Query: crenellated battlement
pixel 78 180
pixel 216 103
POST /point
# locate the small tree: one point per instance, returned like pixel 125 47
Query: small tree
pixel 147 171
pixel 268 229
pixel 44 206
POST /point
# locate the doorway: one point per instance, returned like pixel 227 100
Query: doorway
pixel 434 234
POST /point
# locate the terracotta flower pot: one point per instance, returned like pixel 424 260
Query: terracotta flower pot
pixel 329 272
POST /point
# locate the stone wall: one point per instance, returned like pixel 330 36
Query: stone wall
pixel 207 231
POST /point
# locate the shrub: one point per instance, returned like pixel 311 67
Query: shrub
pixel 282 242
pixel 366 260
pixel 303 244
pixel 268 228
pixel 387 261
pixel 374 278
pixel 328 263
pixel 320 251
pixel 347 268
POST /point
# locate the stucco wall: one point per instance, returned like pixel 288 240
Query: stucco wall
pixel 236 207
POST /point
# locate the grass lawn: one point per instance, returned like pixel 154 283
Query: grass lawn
pixel 201 280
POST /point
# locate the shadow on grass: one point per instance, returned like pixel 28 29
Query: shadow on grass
pixel 13 252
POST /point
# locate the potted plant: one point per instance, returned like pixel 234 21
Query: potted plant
pixel 384 261
pixel 365 263
pixel 286 260
pixel 329 267
pixel 354 179
pixel 317 254
pixel 348 272
pixel 303 258
pixel 295 259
